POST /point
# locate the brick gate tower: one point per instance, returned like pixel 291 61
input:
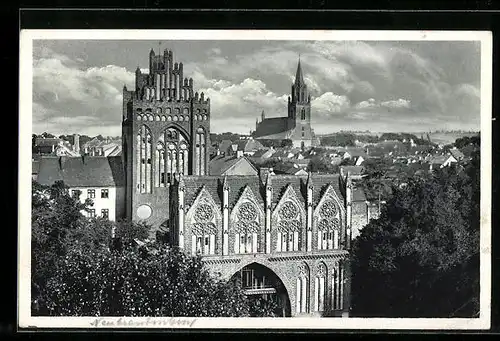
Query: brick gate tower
pixel 165 132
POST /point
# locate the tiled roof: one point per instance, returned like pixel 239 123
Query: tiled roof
pixel 352 170
pixel 248 145
pixel 262 152
pixel 356 152
pixel 220 164
pixel 213 185
pixel 194 184
pixel 237 183
pixel 272 126
pixel 321 182
pixel 85 171
pixel 117 151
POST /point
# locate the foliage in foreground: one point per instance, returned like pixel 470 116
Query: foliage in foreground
pixel 79 270
pixel 421 258
pixel 136 282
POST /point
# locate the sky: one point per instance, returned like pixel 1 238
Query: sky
pixel 381 86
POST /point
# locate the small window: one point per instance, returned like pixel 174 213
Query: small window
pixel 105 213
pixel 104 193
pixel 75 194
pixel 92 213
pixel 91 193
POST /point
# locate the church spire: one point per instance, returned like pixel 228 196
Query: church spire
pixel 299 79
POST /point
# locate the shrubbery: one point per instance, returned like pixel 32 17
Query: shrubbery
pixel 78 270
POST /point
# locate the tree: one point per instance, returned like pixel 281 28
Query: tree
pixel 421 257
pixel 77 270
pixel 286 143
pixel 58 227
pixel 138 282
pixel 319 164
pixel 47 135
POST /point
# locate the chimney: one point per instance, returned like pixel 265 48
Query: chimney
pixel 239 153
pixel 76 143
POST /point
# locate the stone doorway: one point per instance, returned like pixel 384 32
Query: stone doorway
pixel 264 289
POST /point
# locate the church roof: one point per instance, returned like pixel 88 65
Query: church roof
pixel 272 126
pixel 85 171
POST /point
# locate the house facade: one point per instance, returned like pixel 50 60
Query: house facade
pixel 99 179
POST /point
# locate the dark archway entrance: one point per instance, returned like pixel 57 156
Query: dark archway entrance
pixel 265 290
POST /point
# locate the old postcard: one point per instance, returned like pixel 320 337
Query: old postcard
pixel 255 179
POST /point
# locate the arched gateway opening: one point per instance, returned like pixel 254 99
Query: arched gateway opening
pixel 264 289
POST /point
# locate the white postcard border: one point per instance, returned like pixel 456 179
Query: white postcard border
pixel 25 320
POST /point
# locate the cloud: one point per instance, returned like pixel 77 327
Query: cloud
pixel 352 83
pixel 393 104
pixel 242 101
pixel 89 97
pixel 329 103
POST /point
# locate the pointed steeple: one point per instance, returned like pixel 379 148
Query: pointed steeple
pixel 299 78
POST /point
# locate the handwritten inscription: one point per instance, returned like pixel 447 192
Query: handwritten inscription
pixel 169 322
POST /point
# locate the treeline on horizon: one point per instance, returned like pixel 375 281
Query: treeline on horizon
pixel 345 139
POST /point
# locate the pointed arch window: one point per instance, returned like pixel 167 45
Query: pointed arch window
pixel 144 156
pixel 246 231
pixel 171 156
pixel 329 226
pixel 289 226
pixel 338 287
pixel 302 288
pixel 319 288
pixel 303 114
pixel 200 150
pixel 203 231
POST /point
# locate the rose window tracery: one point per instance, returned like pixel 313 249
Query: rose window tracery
pixel 328 209
pixel 288 210
pixel 247 212
pixel 203 213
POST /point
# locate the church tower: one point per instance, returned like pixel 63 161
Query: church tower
pixel 165 133
pixel 299 111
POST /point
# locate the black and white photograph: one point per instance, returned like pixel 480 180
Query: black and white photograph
pixel 306 179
